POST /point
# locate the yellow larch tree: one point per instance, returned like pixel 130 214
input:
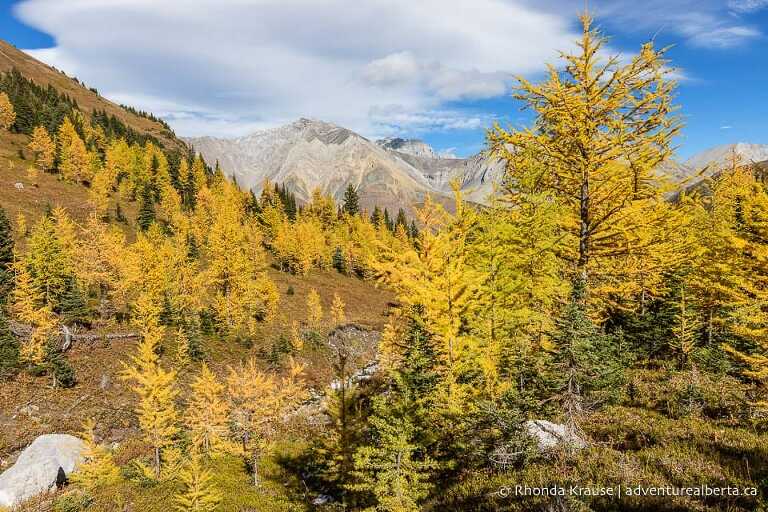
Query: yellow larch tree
pixel 314 310
pixel 258 403
pixel 43 148
pixel 602 126
pixel 155 386
pixel 242 293
pixel 207 414
pixel 74 160
pixel 98 467
pixel 436 276
pixel 30 308
pixel 200 493
pixel 7 113
pixel 338 316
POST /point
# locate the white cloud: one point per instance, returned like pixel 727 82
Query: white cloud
pixel 742 6
pixel 226 67
pixel 726 127
pixel 701 23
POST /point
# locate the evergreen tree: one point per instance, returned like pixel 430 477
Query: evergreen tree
pixel 351 201
pixel 146 216
pixel 377 217
pixel 339 262
pixel 9 348
pixel 392 468
pixel 588 367
pixel 72 305
pixel 388 221
pixel 413 231
pixel 401 220
pixel 62 372
pixel 6 257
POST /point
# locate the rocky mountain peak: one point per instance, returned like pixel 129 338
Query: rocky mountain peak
pixel 414 147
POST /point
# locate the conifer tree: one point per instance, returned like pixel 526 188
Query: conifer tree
pixel 154 385
pixel 314 309
pixel 377 217
pixel 338 316
pixel 7 113
pixel 146 214
pixel 9 348
pixel 44 149
pixel 200 493
pixel 588 366
pixel 387 221
pixel 257 404
pixel 685 330
pixel 401 220
pixel 391 468
pixel 6 257
pixel 207 413
pixel 73 158
pixel 29 307
pixel 351 201
pixel 98 467
pixel 602 127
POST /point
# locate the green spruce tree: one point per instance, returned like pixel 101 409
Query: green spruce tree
pixel 351 201
pixel 6 257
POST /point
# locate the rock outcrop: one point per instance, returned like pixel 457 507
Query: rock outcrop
pixel 42 466
pixel 549 436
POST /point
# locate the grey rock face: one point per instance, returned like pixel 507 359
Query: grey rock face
pixel 309 154
pixel 40 467
pixel 550 435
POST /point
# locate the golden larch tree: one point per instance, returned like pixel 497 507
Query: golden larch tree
pixel 43 148
pixel 602 127
pixel 155 386
pixel 207 414
pixel 7 113
pixel 200 493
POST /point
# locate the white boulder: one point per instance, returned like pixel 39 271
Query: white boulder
pixel 550 435
pixel 40 467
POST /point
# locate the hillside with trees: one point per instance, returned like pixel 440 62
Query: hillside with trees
pixel 595 327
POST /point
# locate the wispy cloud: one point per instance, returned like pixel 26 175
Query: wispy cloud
pixel 743 6
pixel 226 66
pixel 726 127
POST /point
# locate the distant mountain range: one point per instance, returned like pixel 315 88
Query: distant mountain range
pixel 393 172
pixel 309 154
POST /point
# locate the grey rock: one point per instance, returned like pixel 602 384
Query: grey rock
pixel 42 466
pixel 549 436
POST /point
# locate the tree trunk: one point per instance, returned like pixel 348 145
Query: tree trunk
pixel 584 225
pixel 157 462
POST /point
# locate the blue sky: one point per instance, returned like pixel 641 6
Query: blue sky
pixel 437 70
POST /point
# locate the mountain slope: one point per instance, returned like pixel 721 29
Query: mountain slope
pixel 87 100
pixel 719 156
pixel 306 154
pixel 309 154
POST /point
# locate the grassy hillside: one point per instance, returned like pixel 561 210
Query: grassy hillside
pixel 88 100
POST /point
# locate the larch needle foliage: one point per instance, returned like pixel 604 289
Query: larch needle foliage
pixel 155 387
pixel 602 127
pixel 207 414
pixel 199 493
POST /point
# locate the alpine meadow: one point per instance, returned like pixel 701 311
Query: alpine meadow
pixel 308 319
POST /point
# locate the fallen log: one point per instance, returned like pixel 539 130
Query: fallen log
pixel 69 335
